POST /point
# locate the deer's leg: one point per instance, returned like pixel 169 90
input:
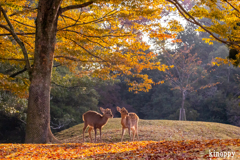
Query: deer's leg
pixel 123 130
pixel 89 132
pixel 134 131
pixel 84 128
pixel 95 130
pixel 100 130
pixel 129 132
pixel 137 132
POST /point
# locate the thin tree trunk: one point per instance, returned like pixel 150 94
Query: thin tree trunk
pixel 228 74
pixel 182 113
pixel 38 114
pixel 183 99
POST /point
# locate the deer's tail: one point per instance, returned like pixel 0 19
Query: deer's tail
pixel 83 117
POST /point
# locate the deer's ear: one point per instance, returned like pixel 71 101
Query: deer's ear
pixel 118 109
pixel 102 110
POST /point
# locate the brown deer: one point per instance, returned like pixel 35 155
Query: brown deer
pixel 96 120
pixel 130 121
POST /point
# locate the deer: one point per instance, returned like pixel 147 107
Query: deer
pixel 129 121
pixel 95 120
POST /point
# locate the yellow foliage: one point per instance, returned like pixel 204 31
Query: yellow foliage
pixel 221 61
pixel 223 16
pixel 102 40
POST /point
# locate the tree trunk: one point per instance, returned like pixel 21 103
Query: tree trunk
pixel 38 114
pixel 183 98
pixel 182 113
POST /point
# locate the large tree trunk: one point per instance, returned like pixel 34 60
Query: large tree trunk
pixel 38 114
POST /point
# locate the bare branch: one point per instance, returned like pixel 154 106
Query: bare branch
pixel 22 121
pixel 172 63
pixel 79 86
pixel 17 73
pixel 59 125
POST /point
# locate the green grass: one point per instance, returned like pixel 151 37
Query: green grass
pixel 156 130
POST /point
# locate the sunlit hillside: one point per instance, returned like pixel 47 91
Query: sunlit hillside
pixel 157 130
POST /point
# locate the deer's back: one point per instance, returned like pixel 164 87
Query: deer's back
pixel 133 117
pixel 131 120
pixel 91 117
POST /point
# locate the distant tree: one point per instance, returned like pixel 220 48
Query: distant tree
pixel 233 111
pixel 185 71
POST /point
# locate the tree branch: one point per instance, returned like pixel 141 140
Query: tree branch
pixel 23 23
pixel 65 57
pixel 109 35
pixel 66 86
pixel 74 59
pixel 63 16
pixel 13 59
pixel 75 7
pixel 23 70
pixel 22 121
pixel 21 44
pixel 93 21
pixel 19 12
pixel 232 6
pixel 87 38
pixel 184 13
pixel 21 34
pixel 86 50
pixel 19 72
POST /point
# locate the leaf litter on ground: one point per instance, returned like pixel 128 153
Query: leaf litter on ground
pixel 185 149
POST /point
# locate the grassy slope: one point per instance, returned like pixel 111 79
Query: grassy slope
pixel 156 130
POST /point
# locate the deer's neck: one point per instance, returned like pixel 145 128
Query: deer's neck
pixel 124 116
pixel 124 121
pixel 103 120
